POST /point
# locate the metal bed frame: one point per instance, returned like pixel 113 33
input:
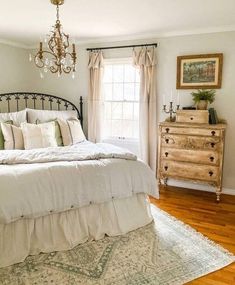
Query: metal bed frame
pixel 17 101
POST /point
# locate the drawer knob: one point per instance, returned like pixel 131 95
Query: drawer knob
pixel 166 154
pixel 213 133
pixel 212 144
pixel 212 158
pixel 191 118
pixel 210 173
pixel 167 140
pixel 167 130
pixel 166 167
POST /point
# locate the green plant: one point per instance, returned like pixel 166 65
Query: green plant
pixel 202 94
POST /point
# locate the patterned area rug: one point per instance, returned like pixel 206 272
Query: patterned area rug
pixel 165 252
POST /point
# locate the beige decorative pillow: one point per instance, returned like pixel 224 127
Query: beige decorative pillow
pixel 71 131
pixel 13 138
pixel 39 136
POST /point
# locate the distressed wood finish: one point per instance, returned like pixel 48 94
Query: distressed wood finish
pixel 192 152
pixel 216 221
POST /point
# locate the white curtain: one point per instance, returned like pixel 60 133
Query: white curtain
pixel 95 100
pixel 145 60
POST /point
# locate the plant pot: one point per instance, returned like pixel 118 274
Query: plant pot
pixel 202 105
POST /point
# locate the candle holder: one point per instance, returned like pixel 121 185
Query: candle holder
pixel 171 110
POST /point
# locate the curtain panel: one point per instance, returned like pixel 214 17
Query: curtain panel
pixel 145 60
pixel 95 100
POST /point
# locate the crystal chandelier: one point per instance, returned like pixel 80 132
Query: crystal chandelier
pixel 57 58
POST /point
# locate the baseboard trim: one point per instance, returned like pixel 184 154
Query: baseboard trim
pixel 199 187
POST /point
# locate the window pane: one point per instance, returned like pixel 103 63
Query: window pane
pixel 107 130
pixel 108 110
pixel 116 128
pixel 129 91
pixel 136 130
pixel 136 111
pixel 108 90
pixel 128 111
pixel 108 73
pixel 116 110
pixel 117 91
pixel 118 73
pixel 129 72
pixel 128 129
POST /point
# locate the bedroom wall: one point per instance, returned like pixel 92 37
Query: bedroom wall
pixel 169 48
pixel 14 72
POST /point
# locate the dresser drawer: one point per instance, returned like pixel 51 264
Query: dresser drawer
pixel 189 171
pixel 192 131
pixel 190 142
pixel 194 156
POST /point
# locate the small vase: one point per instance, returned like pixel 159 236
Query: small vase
pixel 202 105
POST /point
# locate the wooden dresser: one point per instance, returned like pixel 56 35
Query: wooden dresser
pixel 191 152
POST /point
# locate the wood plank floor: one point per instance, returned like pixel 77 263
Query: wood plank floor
pixel 215 220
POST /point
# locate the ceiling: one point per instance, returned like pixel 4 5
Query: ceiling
pixel 24 21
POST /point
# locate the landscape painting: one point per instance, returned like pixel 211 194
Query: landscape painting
pixel 199 71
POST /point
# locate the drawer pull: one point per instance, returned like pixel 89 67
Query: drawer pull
pixel 167 140
pixel 167 130
pixel 191 118
pixel 210 173
pixel 166 167
pixel 213 133
pixel 212 158
pixel 212 144
pixel 166 154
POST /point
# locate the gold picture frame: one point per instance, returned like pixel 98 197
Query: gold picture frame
pixel 199 71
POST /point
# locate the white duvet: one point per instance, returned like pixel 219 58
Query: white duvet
pixel 35 183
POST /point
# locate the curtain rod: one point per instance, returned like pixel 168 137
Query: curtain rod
pixel 117 47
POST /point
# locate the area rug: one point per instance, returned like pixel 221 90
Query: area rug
pixel 164 252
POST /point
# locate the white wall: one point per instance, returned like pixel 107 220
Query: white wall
pixel 14 68
pixel 167 52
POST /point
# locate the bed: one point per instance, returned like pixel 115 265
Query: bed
pixel 55 198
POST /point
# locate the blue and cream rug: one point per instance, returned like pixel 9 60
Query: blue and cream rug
pixel 165 252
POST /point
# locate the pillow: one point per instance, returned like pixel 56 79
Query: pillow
pixel 13 138
pixel 39 136
pixel 45 115
pixel 16 117
pixel 58 135
pixel 1 135
pixel 71 131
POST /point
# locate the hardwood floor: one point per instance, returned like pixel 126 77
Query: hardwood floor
pixel 215 220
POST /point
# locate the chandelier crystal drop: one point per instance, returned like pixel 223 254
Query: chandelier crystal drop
pixel 56 58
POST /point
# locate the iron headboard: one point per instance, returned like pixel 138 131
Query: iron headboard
pixel 10 102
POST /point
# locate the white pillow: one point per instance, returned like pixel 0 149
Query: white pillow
pixel 45 115
pixel 13 138
pixel 39 136
pixel 71 131
pixel 17 117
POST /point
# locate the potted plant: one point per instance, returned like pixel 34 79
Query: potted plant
pixel 201 98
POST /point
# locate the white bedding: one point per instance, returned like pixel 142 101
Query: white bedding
pixel 36 183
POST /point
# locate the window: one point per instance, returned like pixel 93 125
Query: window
pixel 121 85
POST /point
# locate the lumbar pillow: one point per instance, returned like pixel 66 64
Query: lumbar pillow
pixel 1 135
pixel 71 131
pixel 39 136
pixel 13 138
pixel 58 135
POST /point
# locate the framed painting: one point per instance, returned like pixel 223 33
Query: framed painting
pixel 199 71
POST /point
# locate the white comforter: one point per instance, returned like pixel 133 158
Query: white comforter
pixel 38 182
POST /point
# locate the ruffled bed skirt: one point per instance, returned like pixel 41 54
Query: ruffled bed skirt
pixel 65 230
